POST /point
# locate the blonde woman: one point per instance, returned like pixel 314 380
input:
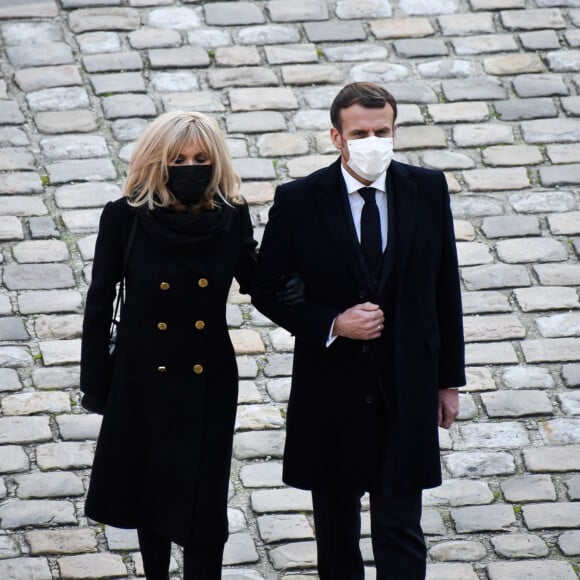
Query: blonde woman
pixel 168 397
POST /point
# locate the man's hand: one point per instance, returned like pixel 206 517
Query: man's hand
pixel 448 407
pixel 360 322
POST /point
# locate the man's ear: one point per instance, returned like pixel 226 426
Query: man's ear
pixel 336 137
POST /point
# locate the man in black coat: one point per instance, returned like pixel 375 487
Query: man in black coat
pixel 379 340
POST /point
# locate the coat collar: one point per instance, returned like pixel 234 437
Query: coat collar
pixel 331 199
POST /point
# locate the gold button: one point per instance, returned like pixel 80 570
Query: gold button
pixel 197 369
pixel 200 324
pixel 202 282
pixel 161 369
pixel 162 326
pixel 164 286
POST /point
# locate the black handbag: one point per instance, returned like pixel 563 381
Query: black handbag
pixel 119 302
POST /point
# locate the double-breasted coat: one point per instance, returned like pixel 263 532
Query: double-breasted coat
pixel 353 401
pixel 163 454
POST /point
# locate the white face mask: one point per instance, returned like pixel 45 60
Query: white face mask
pixel 370 156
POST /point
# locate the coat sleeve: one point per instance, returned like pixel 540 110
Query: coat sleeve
pixel 246 265
pixel 452 353
pixel 96 366
pixel 308 320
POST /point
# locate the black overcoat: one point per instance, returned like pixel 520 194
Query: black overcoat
pixel 163 454
pixel 353 399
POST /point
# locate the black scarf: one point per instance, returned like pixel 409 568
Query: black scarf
pixel 185 232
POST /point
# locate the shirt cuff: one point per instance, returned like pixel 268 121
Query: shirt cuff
pixel 331 338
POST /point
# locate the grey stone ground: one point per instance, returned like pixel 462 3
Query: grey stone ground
pixel 489 93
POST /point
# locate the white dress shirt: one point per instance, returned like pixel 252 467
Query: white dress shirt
pixel 356 202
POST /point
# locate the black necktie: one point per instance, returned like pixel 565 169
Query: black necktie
pixel 370 230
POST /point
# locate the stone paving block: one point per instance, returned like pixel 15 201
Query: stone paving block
pixel 281 500
pixel 255 444
pixel 281 144
pixel 561 431
pixel 494 435
pixel 42 227
pixel 12 328
pixel 420 137
pixel 573 485
pixel 58 327
pixel 378 72
pixel 37 276
pixel 432 523
pixel 15 158
pixel 495 276
pixel 543 201
pixel 8 548
pixel 512 155
pixel 32 403
pixel 268 34
pixel 21 513
pixel 569 543
pixel 571 375
pixel 511 64
pixel 31 32
pixel 459 550
pixel 89 19
pixel 567 324
pixel 20 182
pixel 34 79
pixel 54 122
pixel 474 89
pixel 294 555
pixel 40 251
pixel 257 417
pixel 58 99
pixel 87 195
pixel 237 56
pixel 61 541
pixel 182 57
pixel 203 101
pixel 255 122
pixel 519 546
pixel 15 357
pixel 476 135
pixel 351 9
pixel 490 353
pixel 458 492
pixel 50 301
pixel 118 83
pixel 540 85
pixel 484 302
pixel 554 349
pixel 25 568
pixel 450 572
pixel 413 7
pixel 446 160
pixel 42 485
pixel 174 18
pixel 466 24
pixel 301 166
pixel 248 392
pixel 291 53
pixel 529 250
pixel 510 226
pixel 284 527
pixel 268 474
pixel 56 352
pixel 121 539
pixel 98 42
pixel 299 10
pixel 532 570
pixel 401 28
pixel 529 488
pixel 558 274
pixel 91 566
pixel 540 40
pixel 335 31
pixel 413 92
pixel 306 74
pixel 112 61
pixel 571 105
pixel 168 82
pixel 480 464
pixel 489 43
pixel 52 53
pixel 227 14
pixel 252 168
pixel 262 99
pixel 67 455
pixel 550 298
pixel 24 429
pixel 529 108
pixel 127 105
pixel 457 112
pixel 493 328
pixel 355 52
pixel 552 459
pixel 420 47
pixel 13 137
pixel 475 519
pixel 9 380
pixel 570 403
pixel 13 458
pixel 560 175
pixel 75 147
pixel 150 37
pixel 532 19
pixel 241 76
pixel 564 60
pixel 552 515
pixel 10 113
pixel 81 170
pixel 509 404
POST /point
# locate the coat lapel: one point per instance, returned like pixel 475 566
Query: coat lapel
pixel 332 202
pixel 401 200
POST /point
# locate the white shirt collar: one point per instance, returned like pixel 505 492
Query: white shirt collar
pixel 353 184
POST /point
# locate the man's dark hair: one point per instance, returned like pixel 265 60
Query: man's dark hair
pixel 369 95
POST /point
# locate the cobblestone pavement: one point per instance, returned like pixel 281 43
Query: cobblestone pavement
pixel 489 92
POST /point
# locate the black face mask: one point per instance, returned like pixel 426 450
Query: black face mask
pixel 188 182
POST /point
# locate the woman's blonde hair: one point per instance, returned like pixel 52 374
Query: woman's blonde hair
pixel 161 143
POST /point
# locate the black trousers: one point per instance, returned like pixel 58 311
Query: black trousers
pixel 199 562
pixel 397 538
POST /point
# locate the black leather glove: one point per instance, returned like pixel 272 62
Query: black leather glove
pixel 293 290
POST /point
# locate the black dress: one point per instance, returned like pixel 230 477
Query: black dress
pixel 163 455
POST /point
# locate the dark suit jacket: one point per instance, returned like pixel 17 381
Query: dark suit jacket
pixel 351 401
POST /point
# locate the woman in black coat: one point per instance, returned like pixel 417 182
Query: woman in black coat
pixel 168 397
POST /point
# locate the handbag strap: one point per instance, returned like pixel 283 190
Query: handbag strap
pixel 121 294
